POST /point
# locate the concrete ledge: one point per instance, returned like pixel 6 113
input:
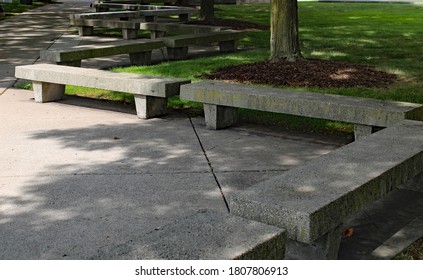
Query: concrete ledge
pixel 159 29
pixel 314 199
pixel 205 235
pixel 77 53
pixel 150 91
pixel 177 46
pixel 86 26
pixel 359 111
pixel 106 15
pixel 106 23
pixel 204 38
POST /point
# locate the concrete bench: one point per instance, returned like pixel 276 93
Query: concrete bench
pixel 134 2
pixel 205 235
pixel 177 46
pixel 150 92
pixel 86 27
pixel 159 29
pixel 150 12
pixel 183 13
pixel 221 101
pixel 121 15
pixel 139 52
pixel 312 201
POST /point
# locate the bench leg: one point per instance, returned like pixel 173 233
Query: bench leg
pixel 228 46
pixel 129 34
pixel 150 106
pixel 46 92
pixel 184 17
pixel 361 131
pixel 140 58
pixel 177 53
pixel 85 30
pixel 324 248
pixel 218 117
pixel 150 18
pixel 157 34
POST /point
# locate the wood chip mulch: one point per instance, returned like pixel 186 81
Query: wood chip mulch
pixel 305 73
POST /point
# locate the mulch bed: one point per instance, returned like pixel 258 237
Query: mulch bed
pixel 305 73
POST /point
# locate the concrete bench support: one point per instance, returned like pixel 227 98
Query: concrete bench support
pixel 85 30
pixel 149 106
pixel 312 201
pixel 150 92
pixel 47 92
pixel 368 115
pixel 218 117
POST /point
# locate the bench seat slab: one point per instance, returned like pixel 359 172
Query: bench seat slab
pixel 139 52
pixel 314 199
pixel 361 111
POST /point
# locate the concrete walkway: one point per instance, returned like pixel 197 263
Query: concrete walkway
pixel 81 177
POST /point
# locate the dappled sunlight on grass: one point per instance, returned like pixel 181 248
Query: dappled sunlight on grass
pixel 327 55
pixel 192 68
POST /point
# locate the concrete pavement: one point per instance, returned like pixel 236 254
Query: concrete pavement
pixel 83 177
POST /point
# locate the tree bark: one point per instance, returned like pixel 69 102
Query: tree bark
pixel 207 10
pixel 284 40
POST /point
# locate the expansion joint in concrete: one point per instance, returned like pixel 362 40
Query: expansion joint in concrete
pixel 210 164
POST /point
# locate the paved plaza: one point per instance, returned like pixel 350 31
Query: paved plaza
pixel 81 178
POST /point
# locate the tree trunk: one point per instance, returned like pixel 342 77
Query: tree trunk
pixel 207 10
pixel 284 41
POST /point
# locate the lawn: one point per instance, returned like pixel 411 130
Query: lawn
pixel 15 7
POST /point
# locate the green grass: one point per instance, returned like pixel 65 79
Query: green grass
pixel 15 7
pixel 412 252
pixel 387 36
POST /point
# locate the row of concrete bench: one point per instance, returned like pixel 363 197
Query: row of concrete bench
pixel 140 50
pixel 130 28
pixel 307 204
pixel 128 21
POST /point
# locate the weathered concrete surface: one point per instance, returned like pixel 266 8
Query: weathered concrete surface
pixel 93 78
pixel 203 236
pixel 313 199
pixel 43 146
pixel 331 107
pixel 99 50
pixel 203 38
